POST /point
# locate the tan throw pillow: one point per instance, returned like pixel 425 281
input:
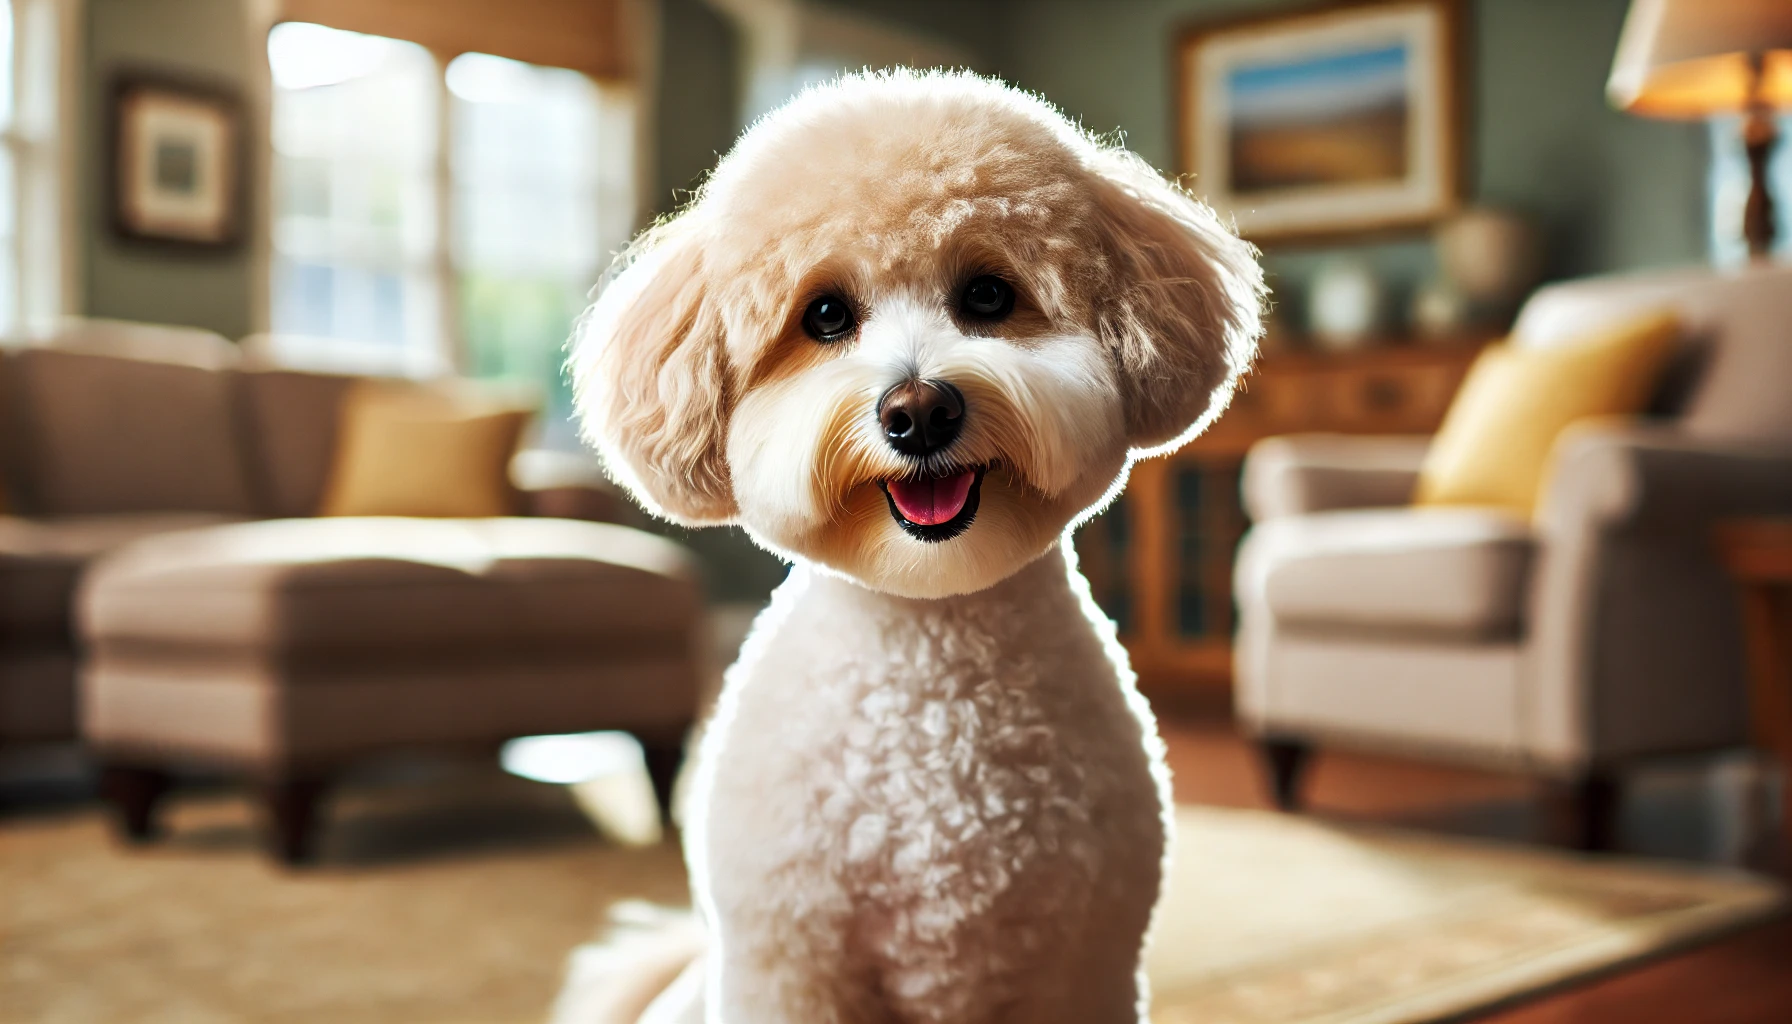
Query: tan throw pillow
pixel 437 450
pixel 1494 445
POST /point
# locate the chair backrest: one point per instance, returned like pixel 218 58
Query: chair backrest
pixel 1738 383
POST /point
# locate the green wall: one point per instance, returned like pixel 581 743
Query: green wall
pixel 698 85
pixel 132 280
pixel 1612 192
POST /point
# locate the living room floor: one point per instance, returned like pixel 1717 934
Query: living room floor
pixel 481 841
pixel 1745 978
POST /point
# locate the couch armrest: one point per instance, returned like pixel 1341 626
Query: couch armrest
pixel 1300 473
pixel 1618 475
pixel 1634 642
pixel 568 485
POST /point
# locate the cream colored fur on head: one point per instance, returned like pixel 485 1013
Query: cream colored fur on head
pixel 1136 310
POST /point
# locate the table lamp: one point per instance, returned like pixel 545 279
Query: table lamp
pixel 1698 58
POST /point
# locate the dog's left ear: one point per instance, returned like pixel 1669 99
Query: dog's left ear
pixel 1185 304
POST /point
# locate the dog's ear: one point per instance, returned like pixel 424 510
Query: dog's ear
pixel 1184 304
pixel 651 379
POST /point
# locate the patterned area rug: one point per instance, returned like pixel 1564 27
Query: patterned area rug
pixel 463 904
pixel 1272 919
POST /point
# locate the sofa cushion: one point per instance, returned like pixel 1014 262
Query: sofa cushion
pixel 430 587
pixel 106 434
pixel 41 561
pixel 441 449
pixel 290 423
pixel 1495 441
pixel 1456 572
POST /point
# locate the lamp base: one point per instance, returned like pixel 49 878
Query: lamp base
pixel 1759 134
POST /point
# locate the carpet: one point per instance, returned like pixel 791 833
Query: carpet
pixel 462 905
pixel 1274 919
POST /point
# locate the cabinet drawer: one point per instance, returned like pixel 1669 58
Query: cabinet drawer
pixel 1392 399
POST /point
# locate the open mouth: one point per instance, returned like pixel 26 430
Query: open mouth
pixel 935 507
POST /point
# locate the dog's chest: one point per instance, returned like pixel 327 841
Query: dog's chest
pixel 932 753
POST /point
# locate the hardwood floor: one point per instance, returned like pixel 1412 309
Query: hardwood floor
pixel 1742 979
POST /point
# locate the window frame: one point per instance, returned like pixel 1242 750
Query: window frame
pixel 451 352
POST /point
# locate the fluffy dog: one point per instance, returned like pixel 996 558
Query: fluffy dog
pixel 909 333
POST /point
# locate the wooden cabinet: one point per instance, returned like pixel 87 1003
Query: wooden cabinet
pixel 1160 560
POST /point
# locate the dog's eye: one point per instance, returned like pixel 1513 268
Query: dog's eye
pixel 987 298
pixel 829 318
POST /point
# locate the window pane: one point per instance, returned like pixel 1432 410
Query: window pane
pixel 10 312
pixel 1728 185
pixel 355 141
pixel 7 107
pixel 9 243
pixel 541 162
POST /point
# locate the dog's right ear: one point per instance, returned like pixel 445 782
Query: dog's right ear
pixel 650 377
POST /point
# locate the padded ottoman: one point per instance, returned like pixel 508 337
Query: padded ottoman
pixel 287 648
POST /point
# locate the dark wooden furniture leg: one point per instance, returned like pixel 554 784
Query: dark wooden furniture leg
pixel 1766 613
pixel 291 808
pixel 1285 763
pixel 1758 553
pixel 134 792
pixel 664 758
pixel 1585 811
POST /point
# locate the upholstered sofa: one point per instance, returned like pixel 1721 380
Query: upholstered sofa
pixel 1573 644
pixel 166 595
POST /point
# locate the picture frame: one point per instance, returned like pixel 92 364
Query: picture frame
pixel 1337 120
pixel 177 155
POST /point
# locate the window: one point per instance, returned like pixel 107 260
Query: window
pixel 537 212
pixel 459 214
pixel 33 34
pixel 355 226
pixel 1727 190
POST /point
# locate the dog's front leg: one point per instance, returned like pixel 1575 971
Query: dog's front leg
pixel 796 971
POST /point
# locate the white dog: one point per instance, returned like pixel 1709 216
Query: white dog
pixel 909 333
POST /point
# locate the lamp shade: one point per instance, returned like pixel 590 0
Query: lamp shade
pixel 1694 58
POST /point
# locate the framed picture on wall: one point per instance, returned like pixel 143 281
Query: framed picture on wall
pixel 1324 122
pixel 176 161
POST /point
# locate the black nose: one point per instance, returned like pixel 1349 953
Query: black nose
pixel 921 416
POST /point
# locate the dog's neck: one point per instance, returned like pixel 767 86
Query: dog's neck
pixel 1041 580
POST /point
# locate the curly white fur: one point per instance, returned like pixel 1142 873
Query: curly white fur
pixel 931 793
pixel 951 810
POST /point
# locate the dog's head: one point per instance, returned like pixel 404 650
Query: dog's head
pixel 911 329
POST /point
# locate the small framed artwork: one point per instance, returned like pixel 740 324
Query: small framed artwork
pixel 1324 122
pixel 177 162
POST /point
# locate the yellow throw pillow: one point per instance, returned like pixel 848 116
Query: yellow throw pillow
pixel 439 450
pixel 1495 441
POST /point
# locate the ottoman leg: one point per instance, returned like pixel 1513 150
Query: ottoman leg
pixel 663 761
pixel 134 792
pixel 291 808
pixel 1285 762
pixel 1584 811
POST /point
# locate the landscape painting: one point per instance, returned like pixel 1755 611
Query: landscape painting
pixel 1327 120
pixel 1320 123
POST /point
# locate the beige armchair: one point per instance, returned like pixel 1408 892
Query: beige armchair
pixel 1597 634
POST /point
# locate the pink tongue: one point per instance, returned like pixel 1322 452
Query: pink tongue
pixel 931 502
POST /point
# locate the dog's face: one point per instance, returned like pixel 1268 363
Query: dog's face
pixel 912 328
